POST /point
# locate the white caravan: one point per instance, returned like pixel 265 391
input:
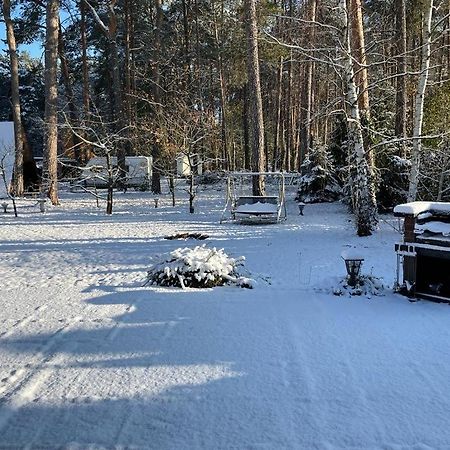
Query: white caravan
pixel 184 167
pixel 7 150
pixel 139 171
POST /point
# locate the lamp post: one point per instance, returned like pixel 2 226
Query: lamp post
pixel 301 207
pixel 353 262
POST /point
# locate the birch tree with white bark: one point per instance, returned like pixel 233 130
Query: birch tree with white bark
pixel 363 199
pixel 420 100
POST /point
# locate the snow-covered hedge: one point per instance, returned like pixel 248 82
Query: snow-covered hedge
pixel 198 267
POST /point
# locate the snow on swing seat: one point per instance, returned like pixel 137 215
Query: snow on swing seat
pixel 257 205
pixel 254 209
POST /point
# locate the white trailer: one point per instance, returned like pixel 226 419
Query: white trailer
pixel 183 166
pixel 7 153
pixel 185 162
pixel 138 168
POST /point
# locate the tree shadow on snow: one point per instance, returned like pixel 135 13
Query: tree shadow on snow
pixel 167 372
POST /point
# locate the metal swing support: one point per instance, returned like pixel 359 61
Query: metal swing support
pixel 250 208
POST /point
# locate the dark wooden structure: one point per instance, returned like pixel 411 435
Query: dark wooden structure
pixel 423 258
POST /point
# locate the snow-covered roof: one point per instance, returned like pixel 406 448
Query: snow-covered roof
pixel 257 208
pixel 434 227
pixel 7 148
pixel 416 208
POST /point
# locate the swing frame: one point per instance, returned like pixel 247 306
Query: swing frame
pixel 250 208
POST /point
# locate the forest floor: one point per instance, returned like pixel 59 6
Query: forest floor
pixel 91 359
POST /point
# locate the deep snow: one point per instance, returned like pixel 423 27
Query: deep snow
pixel 91 358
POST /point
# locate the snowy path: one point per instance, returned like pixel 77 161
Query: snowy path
pixel 90 358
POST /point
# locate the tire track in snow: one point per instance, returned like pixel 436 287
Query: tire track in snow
pixel 297 377
pixel 341 368
pixel 133 408
pixel 21 387
pixel 362 396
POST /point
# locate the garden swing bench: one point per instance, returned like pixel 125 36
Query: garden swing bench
pixel 254 208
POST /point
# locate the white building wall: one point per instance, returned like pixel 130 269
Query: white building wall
pixel 7 149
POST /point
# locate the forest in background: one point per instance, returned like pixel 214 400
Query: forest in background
pixel 353 94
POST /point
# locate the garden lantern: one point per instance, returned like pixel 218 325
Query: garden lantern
pixel 41 202
pixel 353 262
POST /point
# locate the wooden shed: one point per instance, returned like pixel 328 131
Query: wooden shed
pixel 423 258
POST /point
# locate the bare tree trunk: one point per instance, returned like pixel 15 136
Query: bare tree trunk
pixel 18 183
pixel 276 135
pixel 172 188
pixel 84 59
pixel 401 95
pixel 448 38
pixel 128 7
pixel 198 54
pixel 419 102
pixel 326 118
pixel 110 32
pixel 295 131
pixel 73 110
pixel 156 147
pixel 361 74
pixel 191 191
pixel 307 95
pixel 117 87
pixel 364 204
pixel 283 146
pixel 50 163
pixel 257 123
pixel 223 115
pixel 109 198
pixel 245 126
pixel 186 32
pixel 288 115
pixel 86 151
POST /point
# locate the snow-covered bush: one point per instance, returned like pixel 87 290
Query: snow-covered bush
pixel 318 183
pixel 198 267
pixel 367 286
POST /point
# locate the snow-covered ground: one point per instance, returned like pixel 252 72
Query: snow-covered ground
pixel 91 359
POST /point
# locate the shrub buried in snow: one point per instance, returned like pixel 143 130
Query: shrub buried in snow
pixel 198 267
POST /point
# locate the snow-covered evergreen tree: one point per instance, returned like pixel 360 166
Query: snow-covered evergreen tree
pixel 318 182
pixel 393 186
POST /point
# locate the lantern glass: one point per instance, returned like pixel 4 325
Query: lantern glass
pixel 353 267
